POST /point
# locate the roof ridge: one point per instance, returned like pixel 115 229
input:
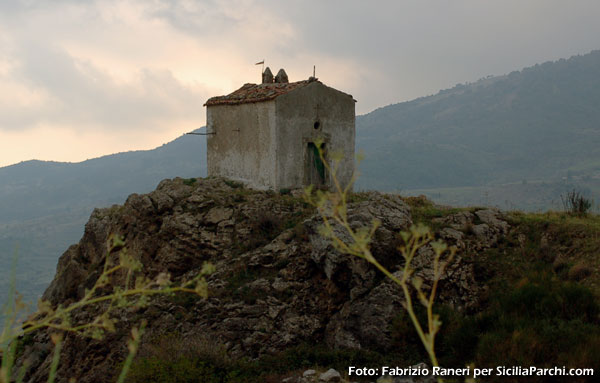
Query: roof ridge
pixel 251 93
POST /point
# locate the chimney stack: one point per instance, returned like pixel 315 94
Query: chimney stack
pixel 267 76
pixel 281 77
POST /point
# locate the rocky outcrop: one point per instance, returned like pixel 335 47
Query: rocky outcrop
pixel 277 283
pixel 331 375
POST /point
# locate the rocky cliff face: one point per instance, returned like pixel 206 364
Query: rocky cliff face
pixel 277 282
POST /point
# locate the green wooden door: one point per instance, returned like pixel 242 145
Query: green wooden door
pixel 314 167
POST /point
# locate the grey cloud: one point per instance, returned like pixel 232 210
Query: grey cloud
pixel 235 23
pixel 408 48
pixel 401 49
pixel 201 18
pixel 414 48
pixel 85 96
pixel 35 5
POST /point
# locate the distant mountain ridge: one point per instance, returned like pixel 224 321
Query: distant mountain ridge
pixel 44 204
pixel 36 188
pixel 541 123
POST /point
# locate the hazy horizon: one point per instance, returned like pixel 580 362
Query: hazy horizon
pixel 79 80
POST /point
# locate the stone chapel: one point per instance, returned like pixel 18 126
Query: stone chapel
pixel 265 135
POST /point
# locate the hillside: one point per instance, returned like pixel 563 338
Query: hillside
pixel 541 124
pixel 44 205
pixel 522 290
pixel 518 141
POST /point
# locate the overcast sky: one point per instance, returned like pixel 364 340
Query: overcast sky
pixel 83 78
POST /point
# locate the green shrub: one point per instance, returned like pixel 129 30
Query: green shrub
pixel 405 338
pixel 22 343
pixel 457 339
pixel 182 370
pixel 576 204
pixel 234 184
pixel 579 272
pixel 265 226
pixel 190 181
pixel 171 359
pixel 547 297
pixel 310 355
pixel 354 197
pixel 300 233
pixel 540 321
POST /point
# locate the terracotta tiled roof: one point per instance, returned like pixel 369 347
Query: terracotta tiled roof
pixel 256 93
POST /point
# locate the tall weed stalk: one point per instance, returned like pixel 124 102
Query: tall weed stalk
pixel 106 295
pixel 332 206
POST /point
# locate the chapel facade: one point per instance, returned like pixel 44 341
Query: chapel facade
pixel 266 135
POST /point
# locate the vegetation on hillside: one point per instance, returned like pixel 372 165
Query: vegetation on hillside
pixel 541 308
pixel 538 124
